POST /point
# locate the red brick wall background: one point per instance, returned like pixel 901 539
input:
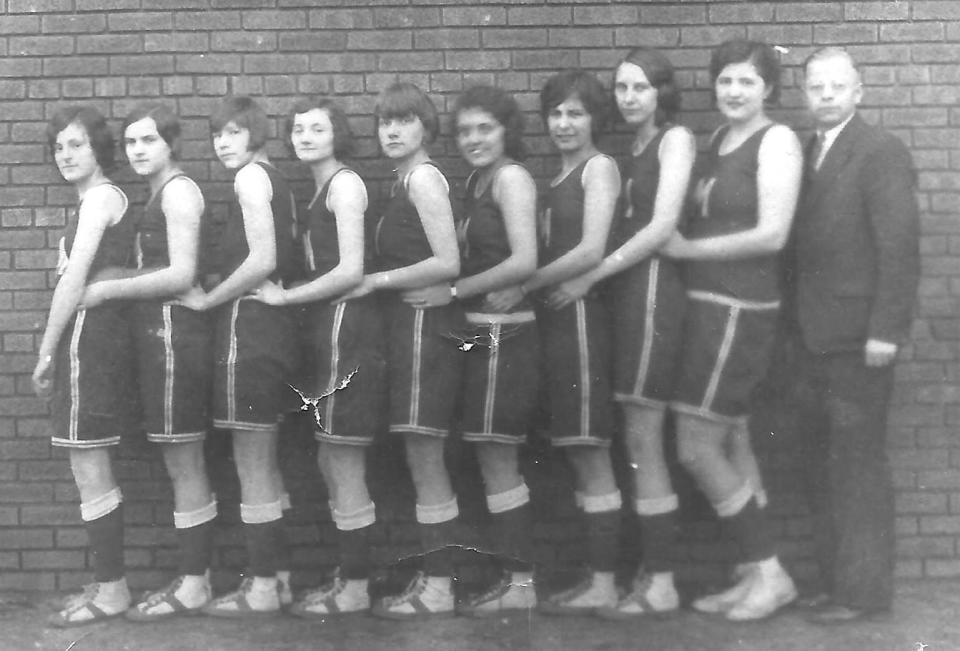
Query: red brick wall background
pixel 113 53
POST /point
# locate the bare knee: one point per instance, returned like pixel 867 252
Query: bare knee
pixel 93 472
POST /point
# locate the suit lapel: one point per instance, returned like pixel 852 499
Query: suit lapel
pixel 818 181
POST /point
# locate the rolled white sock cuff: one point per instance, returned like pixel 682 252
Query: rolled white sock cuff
pixel 509 499
pixel 362 517
pixel 734 503
pixel 187 519
pixel 101 506
pixel 657 505
pixel 602 503
pixel 438 513
pixel 261 513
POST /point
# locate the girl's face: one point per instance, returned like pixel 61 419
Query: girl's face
pixel 74 154
pixel 479 137
pixel 570 125
pixel 740 92
pixel 312 136
pixel 232 145
pixel 147 151
pixel 636 97
pixel 401 136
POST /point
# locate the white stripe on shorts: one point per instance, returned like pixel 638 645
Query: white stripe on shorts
pixel 168 370
pixel 75 376
pixel 492 362
pixel 648 326
pixel 722 355
pixel 583 350
pixel 330 390
pixel 417 364
pixel 232 363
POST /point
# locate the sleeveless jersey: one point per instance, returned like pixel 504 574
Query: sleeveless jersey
pixel 116 244
pixel 561 222
pixel 640 179
pixel 151 244
pixel 233 244
pixel 482 234
pixel 725 201
pixel 400 239
pixel 321 244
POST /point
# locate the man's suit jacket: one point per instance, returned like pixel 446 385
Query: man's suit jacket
pixel 856 242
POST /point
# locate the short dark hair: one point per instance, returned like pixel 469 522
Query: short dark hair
pixel 342 134
pixel 659 71
pixel 168 124
pixel 830 52
pixel 584 86
pixel 402 99
pixel 98 133
pixel 763 57
pixel 503 107
pixel 246 114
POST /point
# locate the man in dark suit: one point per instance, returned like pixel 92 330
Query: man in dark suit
pixel 856 257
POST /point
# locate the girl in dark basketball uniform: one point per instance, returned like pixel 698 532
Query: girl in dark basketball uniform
pixel 498 250
pixel 575 331
pixel 254 346
pixel 345 342
pixel 86 357
pixel 416 247
pixel 173 347
pixel 646 299
pixel 746 195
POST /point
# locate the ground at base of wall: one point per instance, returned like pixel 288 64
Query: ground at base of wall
pixel 925 619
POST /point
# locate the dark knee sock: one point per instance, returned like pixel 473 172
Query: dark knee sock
pixel 437 542
pixel 753 531
pixel 284 554
pixel 658 537
pixel 512 538
pixel 603 540
pixel 262 547
pixel 196 548
pixel 354 553
pixel 106 545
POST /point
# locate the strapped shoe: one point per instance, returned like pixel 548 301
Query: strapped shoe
pixel 425 597
pixel 503 597
pixel 582 599
pixel 644 601
pixel 97 602
pixel 237 604
pixel 165 603
pixel 338 597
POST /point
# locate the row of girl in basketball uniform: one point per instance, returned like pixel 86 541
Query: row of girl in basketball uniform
pixel 690 313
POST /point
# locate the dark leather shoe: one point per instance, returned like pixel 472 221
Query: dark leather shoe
pixel 837 614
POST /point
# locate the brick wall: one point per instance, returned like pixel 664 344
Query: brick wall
pixel 112 53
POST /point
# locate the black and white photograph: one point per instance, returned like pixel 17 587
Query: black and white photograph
pixel 456 325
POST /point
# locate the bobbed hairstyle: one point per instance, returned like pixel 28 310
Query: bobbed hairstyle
pixel 244 112
pixel 585 87
pixel 503 107
pixel 168 124
pixel 98 133
pixel 402 99
pixel 659 71
pixel 762 56
pixel 342 134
